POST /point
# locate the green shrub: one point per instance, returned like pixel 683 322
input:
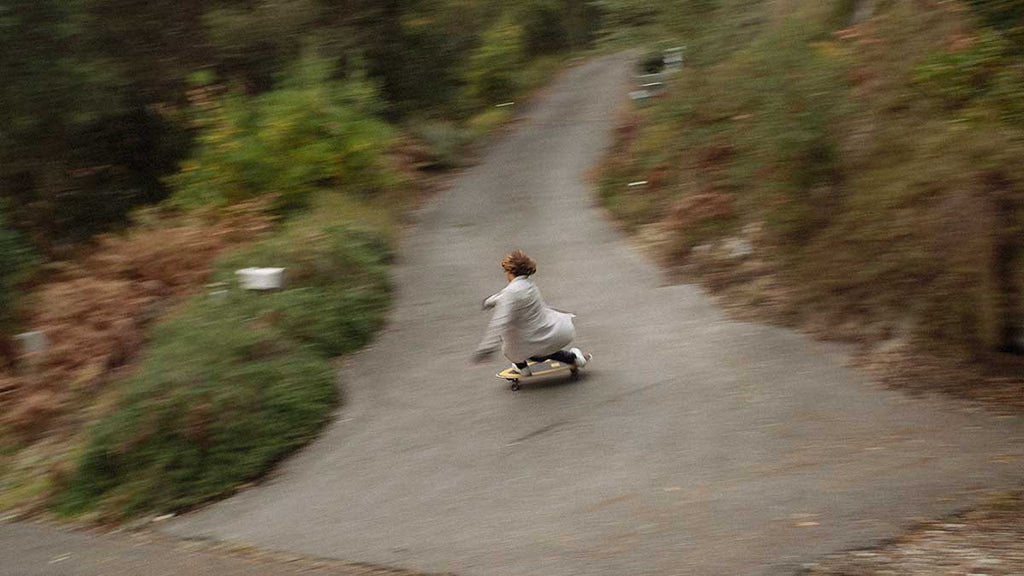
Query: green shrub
pixel 309 134
pixel 959 77
pixel 234 383
pixel 539 72
pixel 985 77
pixel 220 398
pixel 487 120
pixel 798 101
pixel 337 286
pixel 494 66
pixel 328 257
pixel 334 321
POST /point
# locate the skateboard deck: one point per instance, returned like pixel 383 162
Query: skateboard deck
pixel 544 368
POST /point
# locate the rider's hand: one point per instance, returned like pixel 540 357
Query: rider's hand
pixel 481 356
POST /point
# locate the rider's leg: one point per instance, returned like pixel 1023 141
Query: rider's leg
pixel 563 356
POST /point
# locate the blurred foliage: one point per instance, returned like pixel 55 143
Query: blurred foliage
pixel 92 107
pixel 309 133
pixel 625 20
pixel 220 397
pixel 487 120
pixel 985 77
pixel 552 26
pixel 77 149
pixel 255 41
pixel 337 285
pixel 17 262
pixel 710 29
pixel 444 140
pixel 959 77
pixel 492 67
pixel 1007 16
pixel 864 148
pixel 233 383
pixel 800 103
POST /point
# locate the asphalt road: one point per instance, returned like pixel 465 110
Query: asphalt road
pixel 694 445
pixel 40 550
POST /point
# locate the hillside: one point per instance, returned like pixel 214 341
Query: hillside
pixel 850 168
pixel 149 150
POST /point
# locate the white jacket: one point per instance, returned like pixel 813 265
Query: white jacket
pixel 523 323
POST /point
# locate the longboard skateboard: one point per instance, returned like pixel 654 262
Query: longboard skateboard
pixel 545 368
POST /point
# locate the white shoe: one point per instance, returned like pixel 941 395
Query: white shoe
pixel 522 371
pixel 581 358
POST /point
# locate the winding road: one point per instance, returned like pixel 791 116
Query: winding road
pixel 694 444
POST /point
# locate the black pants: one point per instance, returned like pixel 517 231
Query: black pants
pixel 563 356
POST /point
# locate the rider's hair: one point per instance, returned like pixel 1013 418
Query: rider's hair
pixel 519 264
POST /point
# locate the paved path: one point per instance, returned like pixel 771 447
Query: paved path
pixel 695 445
pixel 37 550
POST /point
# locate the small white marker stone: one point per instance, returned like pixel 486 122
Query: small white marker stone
pixel 260 278
pixel 639 95
pixel 33 343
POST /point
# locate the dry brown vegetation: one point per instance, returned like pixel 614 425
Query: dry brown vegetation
pixel 95 311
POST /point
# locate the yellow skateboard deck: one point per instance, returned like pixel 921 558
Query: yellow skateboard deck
pixel 544 368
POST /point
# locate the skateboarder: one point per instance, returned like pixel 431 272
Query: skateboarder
pixel 523 325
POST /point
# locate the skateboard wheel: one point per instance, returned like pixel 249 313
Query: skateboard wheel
pixel 575 373
pixel 515 386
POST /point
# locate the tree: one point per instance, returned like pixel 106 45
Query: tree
pixel 81 143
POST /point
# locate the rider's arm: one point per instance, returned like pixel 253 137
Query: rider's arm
pixel 500 320
pixel 490 301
